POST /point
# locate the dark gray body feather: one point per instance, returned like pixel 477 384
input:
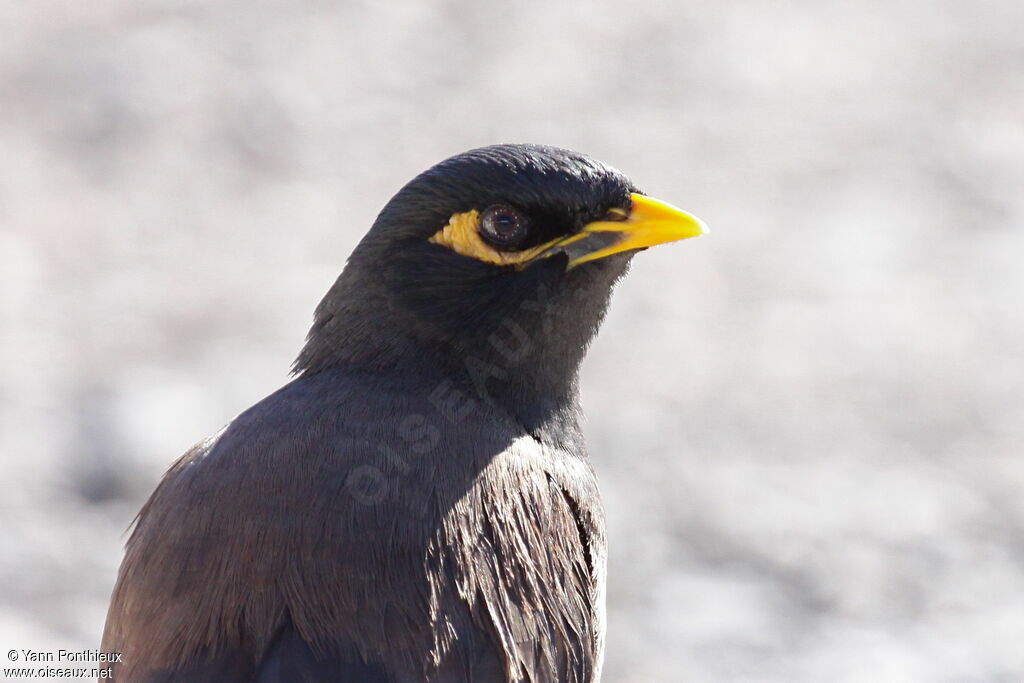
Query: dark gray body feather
pixel 371 530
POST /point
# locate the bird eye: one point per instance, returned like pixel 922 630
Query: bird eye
pixel 503 227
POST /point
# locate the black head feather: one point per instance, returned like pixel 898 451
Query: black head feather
pixel 403 300
pixel 559 188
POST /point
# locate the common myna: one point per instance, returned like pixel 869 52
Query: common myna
pixel 416 504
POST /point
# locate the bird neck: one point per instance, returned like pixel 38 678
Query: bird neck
pixel 524 362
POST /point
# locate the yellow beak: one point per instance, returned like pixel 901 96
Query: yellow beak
pixel 649 222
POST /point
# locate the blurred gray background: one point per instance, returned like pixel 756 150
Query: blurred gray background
pixel 812 454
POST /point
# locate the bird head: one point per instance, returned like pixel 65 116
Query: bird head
pixel 506 254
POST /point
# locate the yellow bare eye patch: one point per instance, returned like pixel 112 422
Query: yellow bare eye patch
pixel 646 223
pixel 462 235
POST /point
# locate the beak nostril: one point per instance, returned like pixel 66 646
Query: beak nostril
pixel 616 214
